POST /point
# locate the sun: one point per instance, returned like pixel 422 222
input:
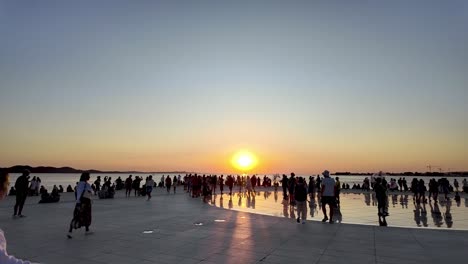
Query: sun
pixel 244 160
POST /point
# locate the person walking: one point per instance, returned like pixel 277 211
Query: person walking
pixel 22 187
pixel 149 186
pixel 328 196
pixel 82 211
pixel 300 194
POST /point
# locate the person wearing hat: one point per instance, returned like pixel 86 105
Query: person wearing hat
pixel 22 187
pixel 328 196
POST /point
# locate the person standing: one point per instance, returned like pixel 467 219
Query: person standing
pixel 168 183
pixel 328 196
pixel 221 184
pixel 253 182
pixel 82 211
pixel 4 257
pixel 22 187
pixel 291 187
pixel 284 185
pixel 312 188
pixel 128 186
pixel 149 186
pixel 300 194
pixel 230 183
pixel 97 184
pixel 456 184
pixel 337 190
pixel 381 195
pixel 32 186
pixel 174 183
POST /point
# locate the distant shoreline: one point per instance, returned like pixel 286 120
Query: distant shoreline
pixel 70 170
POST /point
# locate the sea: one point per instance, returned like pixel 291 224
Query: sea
pixel 48 180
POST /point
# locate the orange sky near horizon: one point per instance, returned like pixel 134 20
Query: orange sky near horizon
pixel 360 86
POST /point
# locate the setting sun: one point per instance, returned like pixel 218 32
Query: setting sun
pixel 244 161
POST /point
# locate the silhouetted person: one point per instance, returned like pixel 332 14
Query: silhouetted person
pixel 4 257
pixel 300 194
pixel 381 195
pixel 21 186
pixel 328 196
pixel 128 186
pixel 284 184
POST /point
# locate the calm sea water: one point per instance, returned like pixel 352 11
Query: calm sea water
pixel 65 179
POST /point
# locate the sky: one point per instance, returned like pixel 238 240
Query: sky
pixel 184 85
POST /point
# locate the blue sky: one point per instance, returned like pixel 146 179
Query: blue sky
pixel 348 84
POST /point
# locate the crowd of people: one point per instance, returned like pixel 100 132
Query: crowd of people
pixel 296 191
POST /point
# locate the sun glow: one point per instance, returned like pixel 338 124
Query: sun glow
pixel 244 161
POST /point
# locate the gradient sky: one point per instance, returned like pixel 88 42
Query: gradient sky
pixel 182 85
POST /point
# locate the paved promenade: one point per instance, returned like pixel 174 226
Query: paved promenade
pixel 178 229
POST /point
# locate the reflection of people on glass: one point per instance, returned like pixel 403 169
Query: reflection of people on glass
pixel 457 199
pixel 448 215
pixel 435 214
pixel 253 202
pixel 424 215
pixel 417 214
pixel 230 202
pixel 292 212
pixel 221 202
pixel 313 207
pixel 285 204
pixel 367 198
pixel 394 199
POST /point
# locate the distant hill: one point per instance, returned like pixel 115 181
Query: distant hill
pixel 48 169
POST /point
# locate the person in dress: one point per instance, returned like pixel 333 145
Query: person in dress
pixel 4 257
pixel 82 211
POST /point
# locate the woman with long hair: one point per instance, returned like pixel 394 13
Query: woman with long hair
pixel 82 212
pixel 4 257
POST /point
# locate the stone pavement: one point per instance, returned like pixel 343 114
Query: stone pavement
pixel 178 229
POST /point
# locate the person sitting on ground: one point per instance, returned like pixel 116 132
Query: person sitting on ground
pixel 54 197
pixel 69 188
pixel 4 257
pixel 60 189
pixel 106 192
